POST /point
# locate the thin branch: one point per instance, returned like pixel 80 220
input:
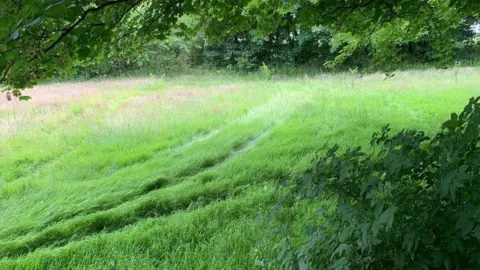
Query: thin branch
pixel 348 16
pixel 81 19
pixel 67 31
pixel 342 9
pixel 374 29
pixel 19 5
pixel 10 50
pixel 391 9
pixel 138 29
pixel 141 14
pixel 331 12
pixel 5 72
pixel 125 12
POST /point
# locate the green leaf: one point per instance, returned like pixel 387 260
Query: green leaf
pixel 84 52
pixel 34 22
pixel 24 98
pixel 464 224
pixel 378 209
pixel 427 239
pixel 302 265
pixel 477 232
pixel 13 35
pixel 438 258
pixel 339 250
pixel 388 216
pixel 57 10
pixel 3 62
pixel 340 263
pixel 461 220
pixel 447 263
pixel 386 219
pixel 73 13
pixel 345 234
pixel 454 245
pixel 77 10
pixel 452 123
pixel 445 185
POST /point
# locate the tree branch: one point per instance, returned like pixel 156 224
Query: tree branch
pixel 82 18
pixel 125 11
pixel 5 72
pixel 342 9
pixel 138 29
pixel 68 30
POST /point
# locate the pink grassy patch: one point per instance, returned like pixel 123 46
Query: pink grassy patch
pixel 60 93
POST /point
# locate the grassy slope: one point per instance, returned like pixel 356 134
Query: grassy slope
pixel 171 175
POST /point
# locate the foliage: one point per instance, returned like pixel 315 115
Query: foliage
pixel 344 45
pixel 266 72
pixel 289 45
pixel 42 39
pixel 173 55
pixel 314 48
pixel 155 57
pixel 379 26
pixel 414 203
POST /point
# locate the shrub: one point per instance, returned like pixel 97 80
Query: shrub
pixel 266 72
pixel 411 203
pixel 155 57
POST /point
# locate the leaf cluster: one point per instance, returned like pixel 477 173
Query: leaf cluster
pixel 414 203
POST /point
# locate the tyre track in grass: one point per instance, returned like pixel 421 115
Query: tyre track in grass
pixel 148 204
pixel 113 219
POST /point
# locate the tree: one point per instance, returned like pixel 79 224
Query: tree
pixel 412 202
pixel 42 38
pixel 39 39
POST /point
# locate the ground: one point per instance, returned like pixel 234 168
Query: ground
pixel 174 173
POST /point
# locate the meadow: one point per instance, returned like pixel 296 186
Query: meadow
pixel 173 173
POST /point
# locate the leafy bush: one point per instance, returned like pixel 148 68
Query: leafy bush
pixel 266 72
pixel 156 57
pixel 412 203
pixel 285 47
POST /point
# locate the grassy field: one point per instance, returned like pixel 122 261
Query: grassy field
pixel 171 173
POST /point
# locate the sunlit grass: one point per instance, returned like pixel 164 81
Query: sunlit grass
pixel 170 173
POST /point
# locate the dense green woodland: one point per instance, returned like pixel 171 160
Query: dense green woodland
pixel 229 152
pixel 42 39
pixel 286 50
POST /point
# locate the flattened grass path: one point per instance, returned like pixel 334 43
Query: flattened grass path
pixel 170 174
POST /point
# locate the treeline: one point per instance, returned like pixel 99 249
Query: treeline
pixel 286 47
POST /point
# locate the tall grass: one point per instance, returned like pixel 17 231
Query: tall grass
pixel 171 173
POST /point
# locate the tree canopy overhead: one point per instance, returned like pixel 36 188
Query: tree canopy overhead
pixel 39 39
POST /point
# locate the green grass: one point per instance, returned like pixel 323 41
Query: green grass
pixel 171 175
